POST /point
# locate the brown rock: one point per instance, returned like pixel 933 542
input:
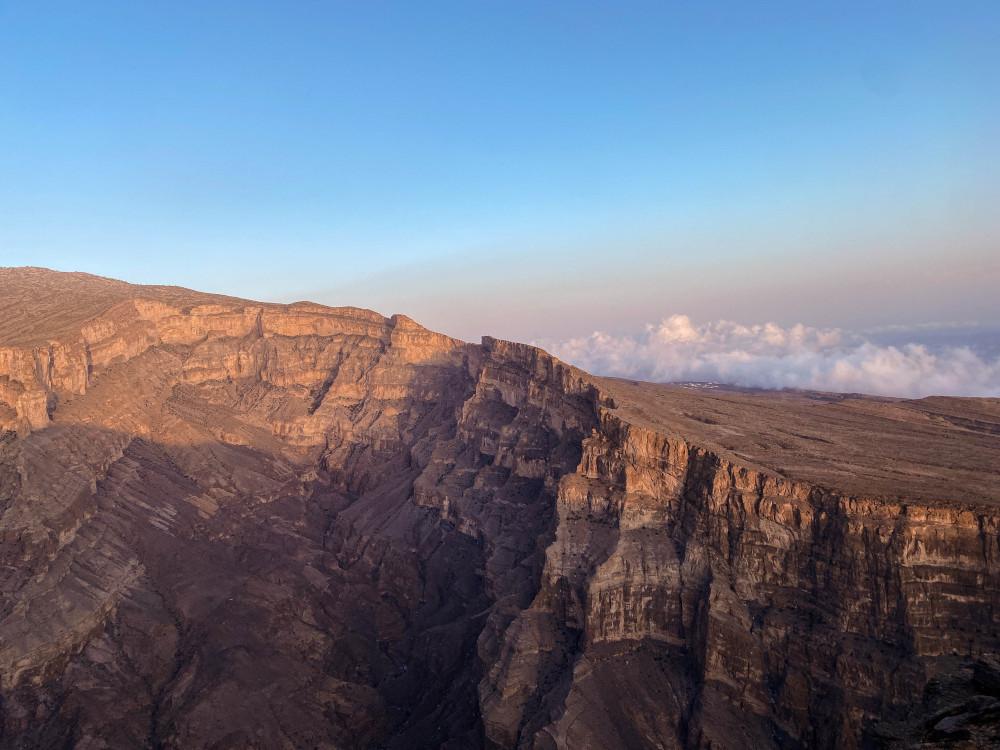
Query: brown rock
pixel 986 674
pixel 229 523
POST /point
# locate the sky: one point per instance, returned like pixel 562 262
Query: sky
pixel 542 171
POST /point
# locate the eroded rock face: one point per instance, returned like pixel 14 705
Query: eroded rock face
pixel 749 610
pixel 232 524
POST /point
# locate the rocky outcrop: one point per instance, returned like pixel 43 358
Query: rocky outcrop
pixel 758 611
pixel 232 524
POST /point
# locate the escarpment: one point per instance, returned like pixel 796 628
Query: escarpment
pixel 750 610
pixel 231 524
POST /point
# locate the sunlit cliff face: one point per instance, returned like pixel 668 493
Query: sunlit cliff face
pixel 243 524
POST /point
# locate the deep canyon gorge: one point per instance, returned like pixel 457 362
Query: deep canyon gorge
pixel 233 524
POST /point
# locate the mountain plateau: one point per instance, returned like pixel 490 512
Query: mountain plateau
pixel 230 524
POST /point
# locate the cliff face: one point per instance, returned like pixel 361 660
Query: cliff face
pixel 232 524
pixel 748 610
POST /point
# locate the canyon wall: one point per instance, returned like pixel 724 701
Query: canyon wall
pixel 708 605
pixel 235 524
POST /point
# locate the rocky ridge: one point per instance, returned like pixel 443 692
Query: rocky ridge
pixel 232 524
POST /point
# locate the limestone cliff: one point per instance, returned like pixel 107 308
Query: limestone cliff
pixel 232 524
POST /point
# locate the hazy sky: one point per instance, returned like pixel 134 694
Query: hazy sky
pixel 533 170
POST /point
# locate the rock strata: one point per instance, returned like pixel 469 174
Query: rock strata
pixel 234 524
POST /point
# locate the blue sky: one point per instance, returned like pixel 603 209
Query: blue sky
pixel 525 169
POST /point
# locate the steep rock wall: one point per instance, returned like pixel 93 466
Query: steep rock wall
pixel 432 544
pixel 757 611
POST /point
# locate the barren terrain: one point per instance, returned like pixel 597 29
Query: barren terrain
pixel 225 523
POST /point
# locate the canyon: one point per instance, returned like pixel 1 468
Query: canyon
pixel 229 524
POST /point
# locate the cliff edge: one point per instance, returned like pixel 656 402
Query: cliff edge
pixel 229 523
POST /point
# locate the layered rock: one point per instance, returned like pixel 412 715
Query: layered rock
pixel 226 523
pixel 755 611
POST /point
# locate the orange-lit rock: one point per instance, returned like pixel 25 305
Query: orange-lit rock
pixel 233 523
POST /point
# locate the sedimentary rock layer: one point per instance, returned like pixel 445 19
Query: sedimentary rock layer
pixel 230 524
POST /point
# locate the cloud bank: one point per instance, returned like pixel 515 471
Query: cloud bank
pixel 769 356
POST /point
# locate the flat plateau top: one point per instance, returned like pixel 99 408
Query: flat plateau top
pixel 38 305
pixel 943 449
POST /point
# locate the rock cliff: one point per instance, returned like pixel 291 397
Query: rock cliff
pixel 235 524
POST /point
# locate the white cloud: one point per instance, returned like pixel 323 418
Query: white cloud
pixel 769 356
